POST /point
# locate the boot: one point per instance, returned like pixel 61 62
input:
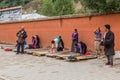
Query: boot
pixel 108 63
pixel 111 64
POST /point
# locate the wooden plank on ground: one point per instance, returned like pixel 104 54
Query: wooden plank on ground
pixel 39 53
pixel 54 55
pixel 62 56
pixel 51 55
pixel 79 58
pixel 29 52
pixel 85 57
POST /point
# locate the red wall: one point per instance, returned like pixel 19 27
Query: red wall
pixel 48 29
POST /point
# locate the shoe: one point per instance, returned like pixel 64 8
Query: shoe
pixel 111 64
pixel 22 52
pixel 17 53
pixel 108 63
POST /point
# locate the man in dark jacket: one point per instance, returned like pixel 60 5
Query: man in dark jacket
pixel 22 35
pixel 108 43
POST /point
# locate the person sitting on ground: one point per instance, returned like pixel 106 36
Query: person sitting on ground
pixel 34 43
pixel 80 47
pixel 38 41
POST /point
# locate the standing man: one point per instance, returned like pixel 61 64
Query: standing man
pixel 108 43
pixel 22 35
pixel 97 41
pixel 74 40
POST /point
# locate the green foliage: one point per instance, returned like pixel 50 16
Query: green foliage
pixel 34 4
pixel 64 7
pixel 76 1
pixel 82 11
pixel 57 7
pixel 11 3
pixel 102 6
pixel 47 8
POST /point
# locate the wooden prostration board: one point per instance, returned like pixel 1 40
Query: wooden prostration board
pixel 78 58
pixel 85 57
pixel 29 52
pixel 51 55
pixel 62 56
pixel 39 53
pixel 54 55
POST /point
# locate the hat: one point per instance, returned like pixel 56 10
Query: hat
pixel 107 26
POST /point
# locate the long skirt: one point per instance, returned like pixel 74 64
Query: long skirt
pixel 73 45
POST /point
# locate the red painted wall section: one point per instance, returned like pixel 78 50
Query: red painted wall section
pixel 48 29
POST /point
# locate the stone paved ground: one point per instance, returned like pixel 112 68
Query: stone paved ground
pixel 1 79
pixel 28 67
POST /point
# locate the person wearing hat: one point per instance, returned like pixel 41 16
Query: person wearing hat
pixel 108 43
pixel 22 35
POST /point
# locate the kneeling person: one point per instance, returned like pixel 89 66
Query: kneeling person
pixel 57 43
pixel 81 48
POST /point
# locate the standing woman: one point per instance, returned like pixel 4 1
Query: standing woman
pixel 74 40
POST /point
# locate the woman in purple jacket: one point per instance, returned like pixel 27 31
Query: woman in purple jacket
pixel 74 39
